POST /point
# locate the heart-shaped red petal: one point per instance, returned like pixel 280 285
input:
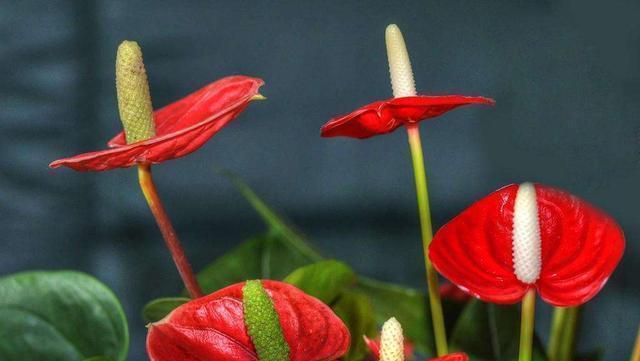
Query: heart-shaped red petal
pixel 579 245
pixel 212 328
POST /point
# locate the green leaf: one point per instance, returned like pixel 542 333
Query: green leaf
pixel 488 332
pixel 99 358
pixel 324 280
pixel 60 316
pixel 407 305
pixel 356 312
pixel 266 257
pixel 157 309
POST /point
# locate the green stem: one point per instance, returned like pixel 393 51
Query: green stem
pixel 635 355
pixel 567 346
pixel 557 329
pixel 437 317
pixel 526 325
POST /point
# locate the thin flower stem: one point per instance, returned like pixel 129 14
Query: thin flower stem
pixel 437 317
pixel 168 233
pixel 635 356
pixel 567 346
pixel 557 330
pixel 526 325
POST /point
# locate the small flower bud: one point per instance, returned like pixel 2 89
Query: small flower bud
pixel 391 341
pixel 134 100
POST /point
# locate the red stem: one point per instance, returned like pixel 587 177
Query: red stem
pixel 168 233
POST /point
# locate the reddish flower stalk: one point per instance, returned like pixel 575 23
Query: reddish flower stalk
pixel 168 233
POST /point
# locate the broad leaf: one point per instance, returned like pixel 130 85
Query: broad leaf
pixel 488 332
pixel 324 280
pixel 157 309
pixel 266 257
pixel 357 313
pixel 60 316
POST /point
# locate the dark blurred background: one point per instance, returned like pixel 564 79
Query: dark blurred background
pixel 565 74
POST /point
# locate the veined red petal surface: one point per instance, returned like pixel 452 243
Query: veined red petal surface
pixel 385 116
pixel 181 127
pixel 212 328
pixel 570 247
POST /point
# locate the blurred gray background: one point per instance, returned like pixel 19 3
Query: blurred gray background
pixel 565 74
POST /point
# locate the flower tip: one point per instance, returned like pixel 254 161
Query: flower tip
pixel 402 81
pixel 130 46
pixel 258 97
pixel 391 341
pixel 134 99
pixel 392 30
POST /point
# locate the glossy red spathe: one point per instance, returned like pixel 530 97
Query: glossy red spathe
pixel 580 247
pixel 181 127
pixel 212 328
pixel 385 116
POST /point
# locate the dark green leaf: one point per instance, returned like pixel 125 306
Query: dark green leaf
pixel 157 309
pixel 99 358
pixel 267 257
pixel 324 280
pixel 60 316
pixel 356 312
pixel 488 332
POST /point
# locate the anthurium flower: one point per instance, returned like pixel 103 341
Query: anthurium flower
pixel 525 237
pixel 180 127
pixel 407 108
pixel 256 320
pixel 385 116
pixel 391 346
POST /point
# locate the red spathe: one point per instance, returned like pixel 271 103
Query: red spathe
pixel 580 248
pixel 212 328
pixel 181 127
pixel 385 116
